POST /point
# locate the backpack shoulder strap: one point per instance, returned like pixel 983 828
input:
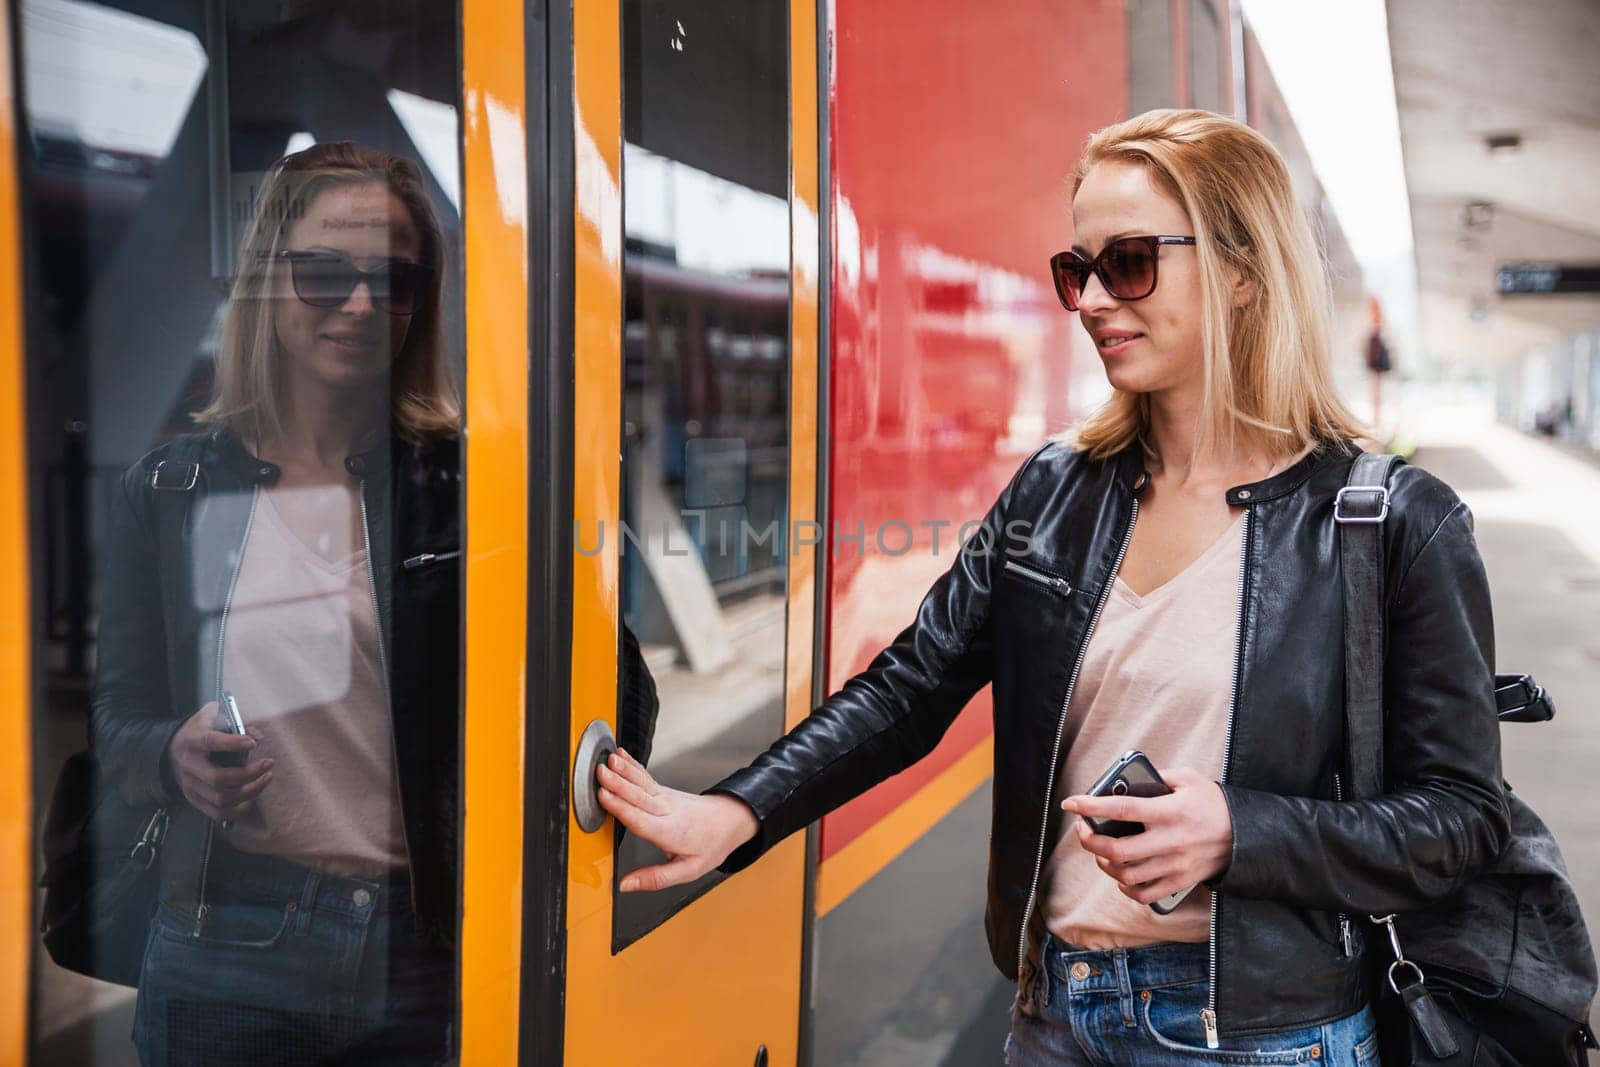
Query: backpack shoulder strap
pixel 174 480
pixel 1360 508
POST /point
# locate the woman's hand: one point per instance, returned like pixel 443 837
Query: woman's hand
pixel 1188 836
pixel 217 792
pixel 696 832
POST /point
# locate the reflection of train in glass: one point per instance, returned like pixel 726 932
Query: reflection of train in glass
pixel 735 282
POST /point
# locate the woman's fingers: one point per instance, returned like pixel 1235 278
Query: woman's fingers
pixel 1151 892
pixel 662 876
pixel 1132 849
pixel 1142 873
pixel 234 811
pixel 203 797
pixel 203 801
pixel 635 764
pixel 225 778
pixel 631 792
pixel 1187 836
pixel 1147 810
pixel 629 769
pixel 222 741
pixel 648 826
pixel 246 793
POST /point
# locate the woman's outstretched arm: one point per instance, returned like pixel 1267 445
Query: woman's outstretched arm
pixel 882 721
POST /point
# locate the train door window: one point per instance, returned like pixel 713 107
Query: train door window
pixel 1205 57
pixel 705 540
pixel 242 252
pixel 1149 55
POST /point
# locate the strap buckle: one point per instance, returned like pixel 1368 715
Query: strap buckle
pixel 178 477
pixel 1375 494
pixel 1518 698
pixel 144 850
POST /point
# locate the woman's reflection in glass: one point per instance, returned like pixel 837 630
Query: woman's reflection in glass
pixel 311 580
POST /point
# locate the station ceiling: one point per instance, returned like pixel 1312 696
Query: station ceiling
pixel 1466 71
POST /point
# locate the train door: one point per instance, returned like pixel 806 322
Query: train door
pixel 694 480
pixel 139 208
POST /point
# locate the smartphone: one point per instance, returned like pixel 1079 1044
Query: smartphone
pixel 1132 775
pixel 229 721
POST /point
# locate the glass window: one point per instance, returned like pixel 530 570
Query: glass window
pixel 1205 57
pixel 705 542
pixel 1149 55
pixel 245 348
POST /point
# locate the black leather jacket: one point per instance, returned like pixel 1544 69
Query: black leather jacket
pixel 1017 610
pixel 171 560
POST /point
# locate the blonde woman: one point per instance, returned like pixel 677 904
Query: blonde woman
pixel 1178 592
pixel 300 557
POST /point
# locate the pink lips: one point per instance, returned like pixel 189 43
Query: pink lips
pixel 1119 347
pixel 351 341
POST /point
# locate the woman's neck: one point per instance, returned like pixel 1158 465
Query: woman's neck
pixel 326 426
pixel 1174 428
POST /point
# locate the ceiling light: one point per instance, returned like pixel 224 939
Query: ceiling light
pixel 1503 145
pixel 1477 215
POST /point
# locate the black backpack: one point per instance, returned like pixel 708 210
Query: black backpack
pixel 1502 972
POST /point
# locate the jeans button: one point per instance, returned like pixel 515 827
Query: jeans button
pixel 361 897
pixel 1080 970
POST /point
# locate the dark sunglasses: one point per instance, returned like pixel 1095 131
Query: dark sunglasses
pixel 326 280
pixel 1126 266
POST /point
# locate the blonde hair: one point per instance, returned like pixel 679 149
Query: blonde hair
pixel 423 403
pixel 1266 365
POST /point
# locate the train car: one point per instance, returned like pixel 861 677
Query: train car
pixel 749 310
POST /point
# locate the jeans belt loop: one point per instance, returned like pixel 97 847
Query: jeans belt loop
pixel 308 899
pixel 1039 987
pixel 1124 986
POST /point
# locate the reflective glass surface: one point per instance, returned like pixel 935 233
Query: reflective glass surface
pixel 1149 55
pixel 1207 88
pixel 242 240
pixel 706 365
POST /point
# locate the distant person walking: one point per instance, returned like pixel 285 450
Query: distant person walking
pixel 1378 360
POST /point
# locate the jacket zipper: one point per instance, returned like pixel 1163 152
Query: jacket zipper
pixel 1345 936
pixel 427 558
pixel 200 907
pixel 383 663
pixel 1053 582
pixel 1208 1015
pixel 1061 726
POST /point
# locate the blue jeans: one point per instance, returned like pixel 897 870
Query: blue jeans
pixel 1140 1007
pixel 293 967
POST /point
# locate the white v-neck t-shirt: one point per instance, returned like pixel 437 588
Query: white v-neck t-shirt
pixel 1157 676
pixel 300 653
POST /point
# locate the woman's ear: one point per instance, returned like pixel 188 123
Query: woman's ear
pixel 1242 289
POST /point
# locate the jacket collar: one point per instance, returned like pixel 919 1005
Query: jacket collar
pixel 1287 480
pixel 1132 475
pixel 254 470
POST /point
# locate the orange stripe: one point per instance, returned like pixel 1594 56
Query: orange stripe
pixel 800 659
pixel 852 866
pixel 494 209
pixel 16 696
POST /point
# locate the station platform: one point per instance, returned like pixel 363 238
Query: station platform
pixel 1536 509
